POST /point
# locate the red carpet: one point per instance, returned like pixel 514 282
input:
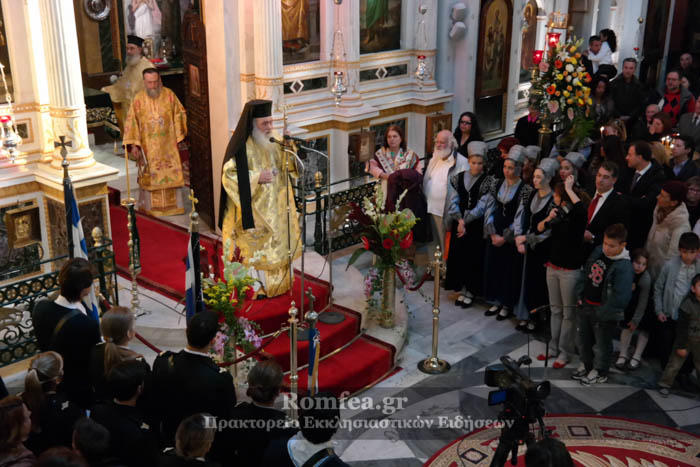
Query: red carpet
pixel 590 439
pixel 363 362
pixel 163 251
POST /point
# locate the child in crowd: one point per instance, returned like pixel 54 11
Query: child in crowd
pixel 670 289
pixel 603 291
pixel 687 337
pixel 637 315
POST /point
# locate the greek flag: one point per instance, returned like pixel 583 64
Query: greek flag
pixel 78 243
pixel 314 353
pixel 193 285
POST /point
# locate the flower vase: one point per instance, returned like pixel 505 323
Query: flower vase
pixel 239 371
pixel 386 317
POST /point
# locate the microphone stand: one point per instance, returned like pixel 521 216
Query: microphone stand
pixel 325 315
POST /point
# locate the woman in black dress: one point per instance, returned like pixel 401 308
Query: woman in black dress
pixel 500 207
pixel 465 261
pixel 467 131
pixel 535 245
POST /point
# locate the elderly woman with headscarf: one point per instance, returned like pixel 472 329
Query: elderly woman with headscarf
pixel 535 245
pixel 670 222
pixel 465 262
pixel 500 207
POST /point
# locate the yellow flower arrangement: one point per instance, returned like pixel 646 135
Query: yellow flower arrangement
pixel 561 87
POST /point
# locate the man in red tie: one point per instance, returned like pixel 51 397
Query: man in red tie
pixel 607 207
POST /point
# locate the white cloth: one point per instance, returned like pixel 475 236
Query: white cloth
pixel 435 184
pixel 143 24
pixel 301 450
pixel 63 301
pixel 603 57
pixel 603 197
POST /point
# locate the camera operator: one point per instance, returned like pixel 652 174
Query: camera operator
pixel 567 220
pixel 548 452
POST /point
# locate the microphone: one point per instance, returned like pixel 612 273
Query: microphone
pixel 294 138
pixel 301 153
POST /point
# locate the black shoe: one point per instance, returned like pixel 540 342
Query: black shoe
pixel 492 311
pixel 504 314
pixel 467 302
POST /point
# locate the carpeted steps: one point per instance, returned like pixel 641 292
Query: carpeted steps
pixel 362 363
pixel 333 336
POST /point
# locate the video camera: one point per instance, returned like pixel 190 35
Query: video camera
pixel 523 401
pixel 516 389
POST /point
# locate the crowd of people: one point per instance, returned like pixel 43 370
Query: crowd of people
pixel 601 240
pixel 90 400
pixel 604 237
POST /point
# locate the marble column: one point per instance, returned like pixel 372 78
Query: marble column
pixel 268 52
pixel 347 17
pixel 66 100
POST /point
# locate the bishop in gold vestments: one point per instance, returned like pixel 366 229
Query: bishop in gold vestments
pixel 130 83
pixel 258 226
pixel 156 123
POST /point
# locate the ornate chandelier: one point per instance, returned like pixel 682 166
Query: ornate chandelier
pixel 339 77
pixel 9 139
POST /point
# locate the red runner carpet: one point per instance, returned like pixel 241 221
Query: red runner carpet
pixel 591 440
pixel 353 365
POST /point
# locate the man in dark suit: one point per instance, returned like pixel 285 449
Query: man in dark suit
pixel 607 207
pixel 683 165
pixel 642 192
pixel 189 382
pixel 628 94
pixel 689 124
pixel 527 126
pixel 64 327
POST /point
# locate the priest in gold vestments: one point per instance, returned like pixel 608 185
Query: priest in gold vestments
pixel 255 197
pixel 155 124
pixel 130 83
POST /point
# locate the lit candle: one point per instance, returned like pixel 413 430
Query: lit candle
pixel 537 56
pixel 601 131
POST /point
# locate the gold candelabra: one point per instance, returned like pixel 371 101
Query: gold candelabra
pixel 129 204
pixel 433 365
pixel 293 375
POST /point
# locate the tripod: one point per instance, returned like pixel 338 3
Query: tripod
pixel 516 434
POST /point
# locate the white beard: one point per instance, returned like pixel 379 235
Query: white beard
pixel 442 153
pixel 262 140
pixel 132 60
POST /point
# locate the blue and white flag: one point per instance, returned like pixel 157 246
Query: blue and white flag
pixel 194 302
pixel 78 242
pixel 314 354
